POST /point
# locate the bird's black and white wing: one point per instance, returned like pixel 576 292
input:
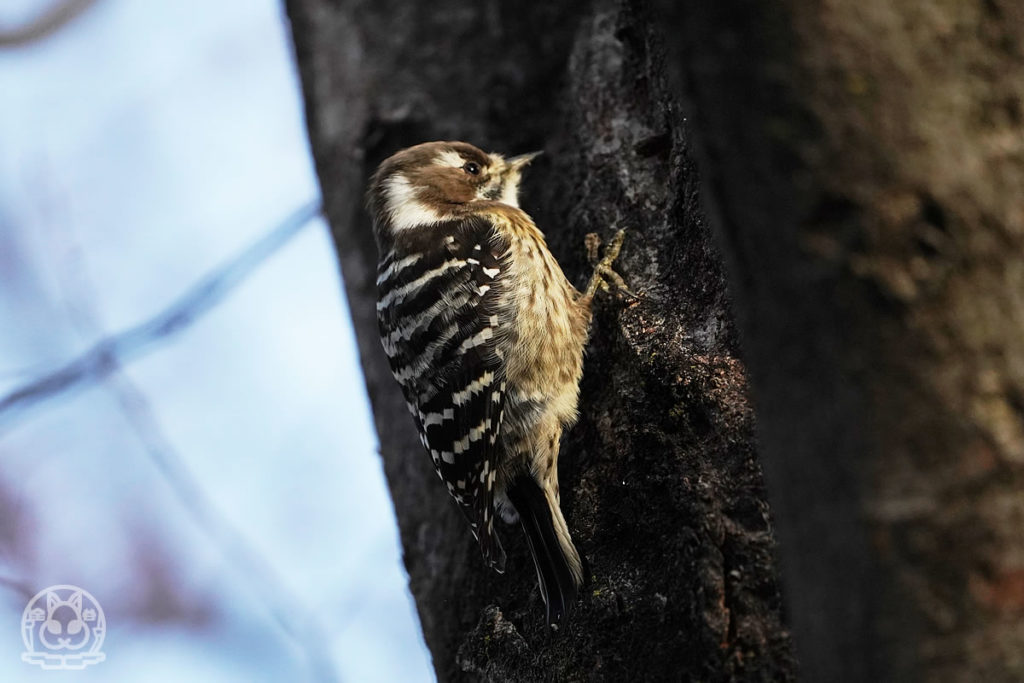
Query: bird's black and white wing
pixel 439 299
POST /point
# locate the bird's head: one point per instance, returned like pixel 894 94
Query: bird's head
pixel 437 181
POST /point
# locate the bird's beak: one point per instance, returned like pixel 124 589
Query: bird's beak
pixel 516 163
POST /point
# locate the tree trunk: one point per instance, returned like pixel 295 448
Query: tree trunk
pixel 864 164
pixel 660 482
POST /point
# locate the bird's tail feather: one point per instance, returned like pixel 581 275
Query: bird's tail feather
pixel 490 545
pixel 558 565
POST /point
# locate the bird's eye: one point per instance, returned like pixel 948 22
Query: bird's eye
pixel 472 168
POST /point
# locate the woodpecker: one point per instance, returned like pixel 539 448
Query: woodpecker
pixel 485 335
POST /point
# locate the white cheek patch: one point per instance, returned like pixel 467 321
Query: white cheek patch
pixel 405 210
pixel 450 158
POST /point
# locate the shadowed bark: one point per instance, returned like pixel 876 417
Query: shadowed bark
pixel 659 479
pixel 865 165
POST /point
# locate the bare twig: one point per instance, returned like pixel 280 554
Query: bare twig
pixel 297 621
pixel 294 618
pixel 44 24
pixel 109 353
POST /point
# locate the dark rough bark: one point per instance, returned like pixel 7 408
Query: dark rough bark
pixel 659 479
pixel 865 165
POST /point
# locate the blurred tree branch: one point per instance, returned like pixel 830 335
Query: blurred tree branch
pixel 298 622
pixel 294 618
pixel 45 24
pixel 111 351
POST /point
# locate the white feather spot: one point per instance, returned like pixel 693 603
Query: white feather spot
pixel 400 293
pixel 429 419
pixel 397 267
pixel 474 387
pixel 477 433
pixel 476 340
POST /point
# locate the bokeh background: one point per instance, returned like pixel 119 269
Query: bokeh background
pixel 211 478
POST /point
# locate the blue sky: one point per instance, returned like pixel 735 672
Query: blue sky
pixel 140 147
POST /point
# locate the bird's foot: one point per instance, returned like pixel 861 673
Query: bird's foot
pixel 604 277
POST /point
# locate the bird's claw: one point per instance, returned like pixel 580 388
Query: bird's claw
pixel 604 277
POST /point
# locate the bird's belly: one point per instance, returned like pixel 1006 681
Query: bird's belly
pixel 546 374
